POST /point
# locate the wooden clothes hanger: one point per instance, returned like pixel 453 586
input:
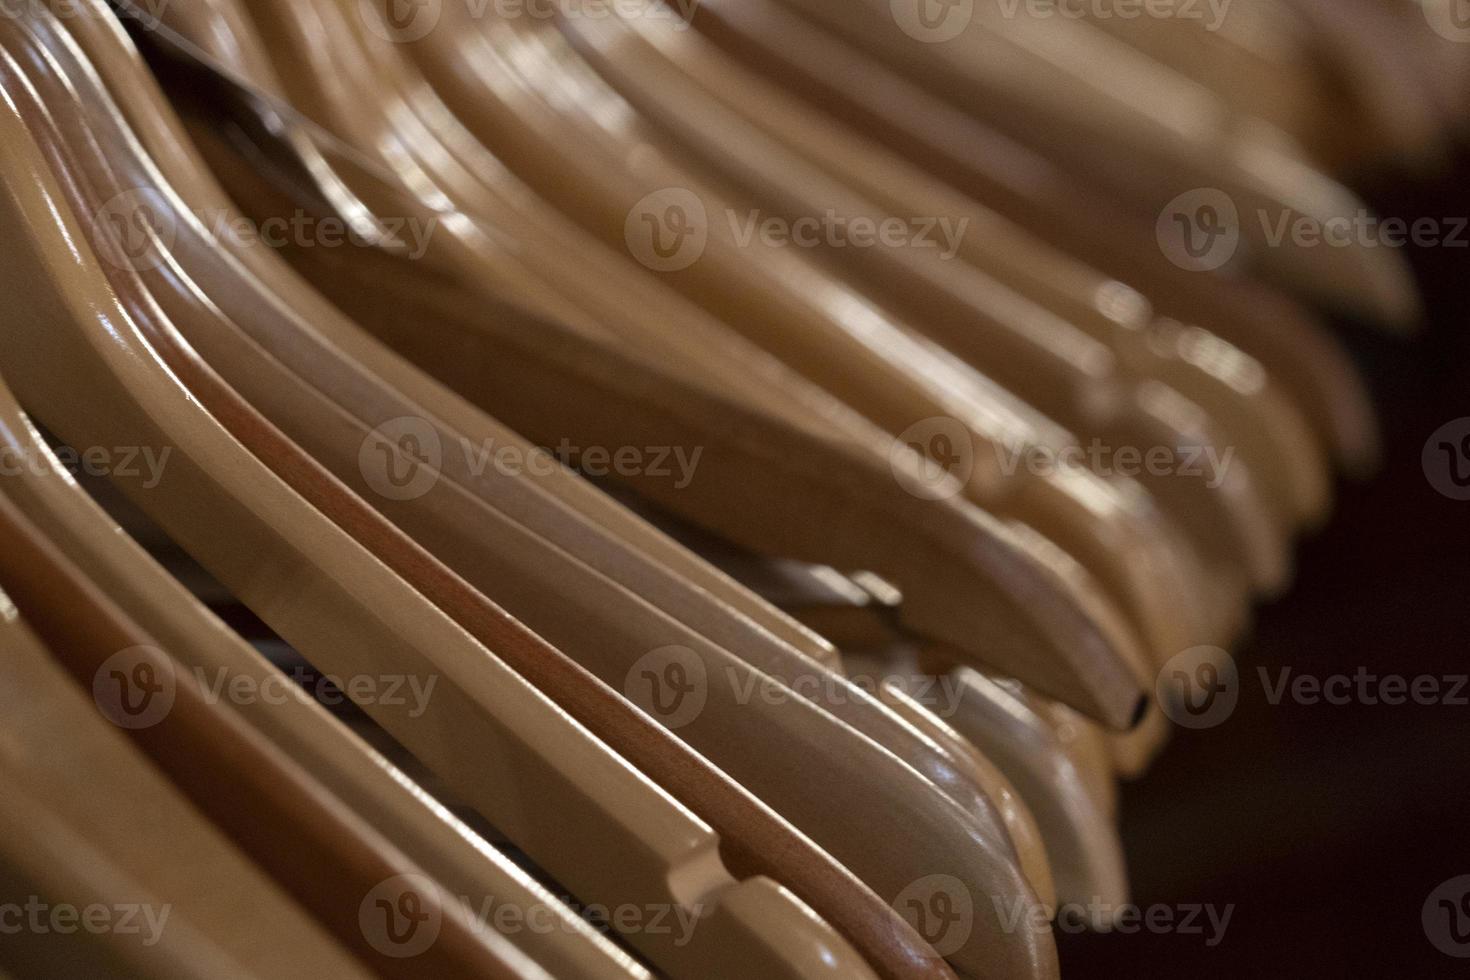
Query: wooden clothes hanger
pixel 328 610
pixel 852 705
pixel 85 812
pixel 41 859
pixel 185 370
pixel 1148 133
pixel 1044 200
pixel 320 852
pixel 628 53
pixel 464 865
pixel 1079 830
pixel 1076 536
pixel 1273 412
pixel 552 488
pixel 776 530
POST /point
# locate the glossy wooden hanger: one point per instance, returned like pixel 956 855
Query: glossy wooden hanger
pixel 1007 339
pixel 357 440
pixel 1068 214
pixel 349 616
pixel 1051 509
pixel 87 812
pixel 41 856
pixel 321 853
pixel 1146 132
pixel 448 851
pixel 544 417
pixel 553 500
pixel 782 661
pixel 1058 783
pixel 317 22
pixel 567 577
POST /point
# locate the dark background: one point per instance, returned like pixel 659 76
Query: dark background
pixel 1328 827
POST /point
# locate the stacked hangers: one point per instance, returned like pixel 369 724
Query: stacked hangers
pixel 546 248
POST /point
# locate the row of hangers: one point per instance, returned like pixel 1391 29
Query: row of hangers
pixel 313 402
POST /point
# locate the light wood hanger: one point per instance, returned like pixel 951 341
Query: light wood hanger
pixel 268 381
pixel 1068 214
pixel 1059 785
pixel 1227 394
pixel 1106 309
pixel 41 857
pixel 312 22
pixel 1010 345
pixel 321 853
pixel 542 413
pixel 349 616
pixel 1085 99
pixel 86 814
pixel 1019 822
pixel 446 850
pixel 554 493
pixel 851 705
pixel 1050 509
